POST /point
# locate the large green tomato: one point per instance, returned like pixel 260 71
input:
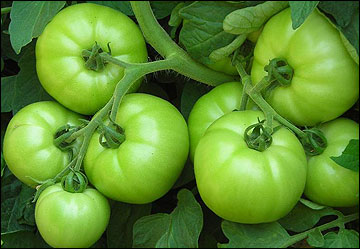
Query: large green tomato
pixel 71 220
pixel 222 99
pixel 326 79
pixel 327 182
pixel 242 184
pixel 61 67
pixel 29 148
pixel 150 160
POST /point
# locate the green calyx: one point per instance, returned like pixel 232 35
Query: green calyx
pixel 257 136
pixel 92 58
pixel 111 136
pixel 74 182
pixel 314 142
pixel 279 71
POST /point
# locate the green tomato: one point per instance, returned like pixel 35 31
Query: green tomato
pixel 61 67
pixel 327 182
pixel 244 185
pixel 222 99
pixel 326 79
pixel 71 220
pixel 224 66
pixel 145 166
pixel 29 148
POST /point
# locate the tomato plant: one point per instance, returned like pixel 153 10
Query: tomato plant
pixel 325 81
pixel 29 148
pixel 60 63
pixel 262 186
pixel 74 220
pixel 146 165
pixel 261 84
pixel 327 182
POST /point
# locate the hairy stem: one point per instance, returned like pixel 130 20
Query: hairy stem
pixel 157 37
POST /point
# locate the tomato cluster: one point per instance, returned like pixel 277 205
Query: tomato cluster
pixel 237 182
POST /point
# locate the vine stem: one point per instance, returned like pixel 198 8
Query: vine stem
pixel 157 37
pixel 335 223
pixel 255 94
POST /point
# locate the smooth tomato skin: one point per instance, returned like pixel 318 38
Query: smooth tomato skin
pixel 326 79
pixel 145 166
pixel 327 182
pixel 71 220
pixel 29 149
pixel 211 106
pixel 244 185
pixel 61 67
pixel 224 65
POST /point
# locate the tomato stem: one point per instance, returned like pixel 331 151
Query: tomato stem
pixel 157 37
pixel 336 223
pixel 255 94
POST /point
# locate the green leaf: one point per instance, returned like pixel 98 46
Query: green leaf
pixel 349 158
pixel 28 20
pixel 343 239
pixel 17 211
pixel 25 88
pixel 346 15
pixel 302 218
pixel 270 235
pixel 191 93
pixel 163 9
pixel 300 10
pixel 247 20
pixel 23 239
pixel 123 216
pixel 187 175
pixel 181 228
pixel 122 6
pixel 315 238
pixel 202 30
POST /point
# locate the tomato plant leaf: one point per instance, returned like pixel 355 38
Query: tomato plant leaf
pixel 202 30
pixel 122 6
pixel 300 10
pixel 302 218
pixel 123 216
pixel 191 93
pixel 28 20
pixel 254 236
pixel 25 88
pixel 23 239
pixel 315 238
pixel 181 228
pixel 343 239
pixel 17 211
pixel 349 158
pixel 247 20
pixel 346 15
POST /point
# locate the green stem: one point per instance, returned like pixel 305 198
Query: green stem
pixel 5 10
pixel 255 95
pixel 132 74
pixel 336 223
pixel 157 37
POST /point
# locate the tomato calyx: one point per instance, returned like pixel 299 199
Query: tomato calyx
pixel 260 137
pixel 92 58
pixel 74 182
pixel 279 71
pixel 314 141
pixel 111 135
